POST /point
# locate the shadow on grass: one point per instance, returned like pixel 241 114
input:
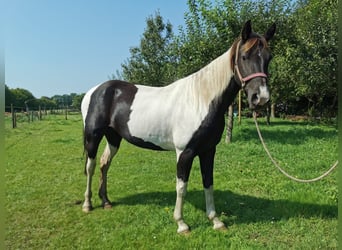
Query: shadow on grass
pixel 236 208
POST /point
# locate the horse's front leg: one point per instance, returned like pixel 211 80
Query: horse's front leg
pixel 181 188
pixel 184 163
pixel 207 167
pixel 210 207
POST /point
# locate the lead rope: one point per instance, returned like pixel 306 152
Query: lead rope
pixel 283 171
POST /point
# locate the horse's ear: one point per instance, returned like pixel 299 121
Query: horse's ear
pixel 269 34
pixel 246 31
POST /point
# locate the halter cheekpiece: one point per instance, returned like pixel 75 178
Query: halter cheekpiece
pixel 245 79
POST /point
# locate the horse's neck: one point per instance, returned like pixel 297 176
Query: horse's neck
pixel 211 82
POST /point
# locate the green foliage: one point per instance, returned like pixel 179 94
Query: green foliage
pixel 18 97
pixel 8 96
pixel 23 99
pixel 305 63
pixel 47 102
pixel 77 100
pixel 149 63
pixel 316 32
pixel 262 209
pixel 302 73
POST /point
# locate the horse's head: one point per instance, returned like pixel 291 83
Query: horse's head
pixel 251 59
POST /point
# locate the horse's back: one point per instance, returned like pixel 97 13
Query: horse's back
pixel 116 105
pixel 161 118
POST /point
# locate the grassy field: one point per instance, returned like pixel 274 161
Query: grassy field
pixel 262 209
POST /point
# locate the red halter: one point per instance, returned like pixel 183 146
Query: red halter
pixel 245 79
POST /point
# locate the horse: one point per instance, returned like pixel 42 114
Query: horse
pixel 186 116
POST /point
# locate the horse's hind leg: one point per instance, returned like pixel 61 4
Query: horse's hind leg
pixel 90 167
pixel 112 147
pixel 91 144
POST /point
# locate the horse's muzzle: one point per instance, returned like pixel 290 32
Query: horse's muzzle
pixel 260 98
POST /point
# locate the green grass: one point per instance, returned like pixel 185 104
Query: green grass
pixel 262 208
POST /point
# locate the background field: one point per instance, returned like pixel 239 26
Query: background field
pixel 262 209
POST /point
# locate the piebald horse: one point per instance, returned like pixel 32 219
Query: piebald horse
pixel 187 116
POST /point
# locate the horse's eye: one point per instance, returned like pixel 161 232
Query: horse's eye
pixel 243 57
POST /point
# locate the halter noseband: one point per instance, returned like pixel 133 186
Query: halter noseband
pixel 245 79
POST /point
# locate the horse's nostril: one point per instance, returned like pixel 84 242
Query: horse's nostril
pixel 255 99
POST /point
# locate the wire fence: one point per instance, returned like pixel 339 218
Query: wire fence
pixel 25 114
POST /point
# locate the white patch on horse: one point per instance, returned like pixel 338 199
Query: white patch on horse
pixel 210 207
pixel 168 116
pixel 86 101
pixel 150 116
pixel 181 188
pixel 264 95
pixel 108 154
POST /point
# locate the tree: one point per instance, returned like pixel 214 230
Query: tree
pixel 304 66
pixel 150 62
pixel 303 71
pixel 211 28
pixel 77 100
pixel 192 46
pixel 22 98
pixel 8 97
pixel 47 103
pixel 316 64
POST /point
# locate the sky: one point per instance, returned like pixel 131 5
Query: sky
pixel 62 47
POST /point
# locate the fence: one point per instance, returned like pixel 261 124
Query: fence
pixel 21 114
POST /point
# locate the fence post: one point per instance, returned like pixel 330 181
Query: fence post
pixel 239 108
pixel 230 124
pixel 14 122
pixel 40 113
pixel 66 113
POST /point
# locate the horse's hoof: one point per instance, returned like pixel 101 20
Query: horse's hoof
pixel 87 209
pixel 107 205
pixel 222 228
pixel 183 228
pixel 185 232
pixel 219 225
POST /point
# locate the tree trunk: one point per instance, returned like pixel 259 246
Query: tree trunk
pixel 273 110
pixel 230 124
pixel 268 113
